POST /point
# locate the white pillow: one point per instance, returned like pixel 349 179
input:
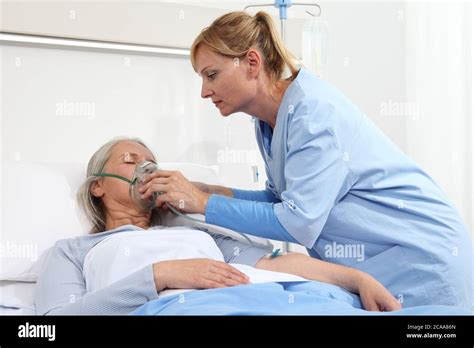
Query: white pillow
pixel 39 208
pixel 17 295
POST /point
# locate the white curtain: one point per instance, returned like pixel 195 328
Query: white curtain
pixel 439 82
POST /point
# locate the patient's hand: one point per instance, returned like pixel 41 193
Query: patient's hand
pixel 374 296
pixel 196 274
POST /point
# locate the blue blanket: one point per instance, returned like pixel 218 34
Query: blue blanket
pixel 291 298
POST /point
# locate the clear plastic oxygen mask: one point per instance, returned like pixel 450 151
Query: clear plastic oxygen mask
pixel 142 170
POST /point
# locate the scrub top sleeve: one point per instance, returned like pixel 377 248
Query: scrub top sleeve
pixel 259 196
pixel 255 218
pixel 316 175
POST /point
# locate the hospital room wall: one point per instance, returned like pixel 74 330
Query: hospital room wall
pixel 439 83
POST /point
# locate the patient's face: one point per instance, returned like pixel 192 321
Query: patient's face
pixel 225 81
pixel 124 157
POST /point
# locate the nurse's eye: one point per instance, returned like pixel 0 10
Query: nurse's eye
pixel 211 76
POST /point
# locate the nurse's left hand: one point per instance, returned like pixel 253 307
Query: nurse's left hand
pixel 375 297
pixel 176 190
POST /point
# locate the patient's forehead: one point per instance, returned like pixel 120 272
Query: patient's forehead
pixel 132 147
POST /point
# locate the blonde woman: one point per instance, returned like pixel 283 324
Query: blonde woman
pixel 336 184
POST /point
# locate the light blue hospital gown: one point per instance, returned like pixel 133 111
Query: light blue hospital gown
pixel 61 287
pixel 337 185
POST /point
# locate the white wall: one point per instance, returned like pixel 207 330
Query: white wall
pixel 146 22
pixel 61 105
pixel 439 83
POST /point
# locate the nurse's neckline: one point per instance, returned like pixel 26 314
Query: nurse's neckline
pixel 290 79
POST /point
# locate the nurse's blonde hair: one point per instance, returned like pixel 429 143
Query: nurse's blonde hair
pixel 234 34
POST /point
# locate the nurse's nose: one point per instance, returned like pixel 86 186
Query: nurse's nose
pixel 205 92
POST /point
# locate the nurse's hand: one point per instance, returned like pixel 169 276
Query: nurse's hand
pixel 176 190
pixel 375 297
pixel 196 274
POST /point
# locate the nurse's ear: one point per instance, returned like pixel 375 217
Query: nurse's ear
pixel 254 60
pixel 97 189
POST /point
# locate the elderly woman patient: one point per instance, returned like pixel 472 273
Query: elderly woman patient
pixel 67 285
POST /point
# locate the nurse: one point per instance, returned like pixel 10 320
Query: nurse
pixel 336 184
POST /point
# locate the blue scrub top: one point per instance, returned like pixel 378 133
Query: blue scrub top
pixel 337 185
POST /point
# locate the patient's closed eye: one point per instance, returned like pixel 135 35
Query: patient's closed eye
pixel 133 158
pixel 130 158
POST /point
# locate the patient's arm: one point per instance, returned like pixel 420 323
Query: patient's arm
pixel 374 296
pixel 61 288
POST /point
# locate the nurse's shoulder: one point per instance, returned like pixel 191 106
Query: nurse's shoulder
pixel 313 102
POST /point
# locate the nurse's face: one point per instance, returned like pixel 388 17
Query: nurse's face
pixel 226 81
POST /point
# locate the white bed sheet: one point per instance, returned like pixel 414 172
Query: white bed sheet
pixel 17 298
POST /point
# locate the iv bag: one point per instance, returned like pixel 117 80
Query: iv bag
pixel 314 48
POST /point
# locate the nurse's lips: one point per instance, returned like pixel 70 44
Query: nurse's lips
pixel 216 103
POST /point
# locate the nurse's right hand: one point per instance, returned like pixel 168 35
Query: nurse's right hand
pixel 196 274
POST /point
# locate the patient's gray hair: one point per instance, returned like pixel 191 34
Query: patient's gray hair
pixel 93 206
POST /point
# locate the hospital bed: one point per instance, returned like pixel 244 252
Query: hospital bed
pixel 47 223
pixel 31 239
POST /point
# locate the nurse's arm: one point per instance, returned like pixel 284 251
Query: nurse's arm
pixel 213 189
pixel 374 296
pixel 248 195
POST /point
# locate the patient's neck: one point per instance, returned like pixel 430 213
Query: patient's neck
pixel 120 216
